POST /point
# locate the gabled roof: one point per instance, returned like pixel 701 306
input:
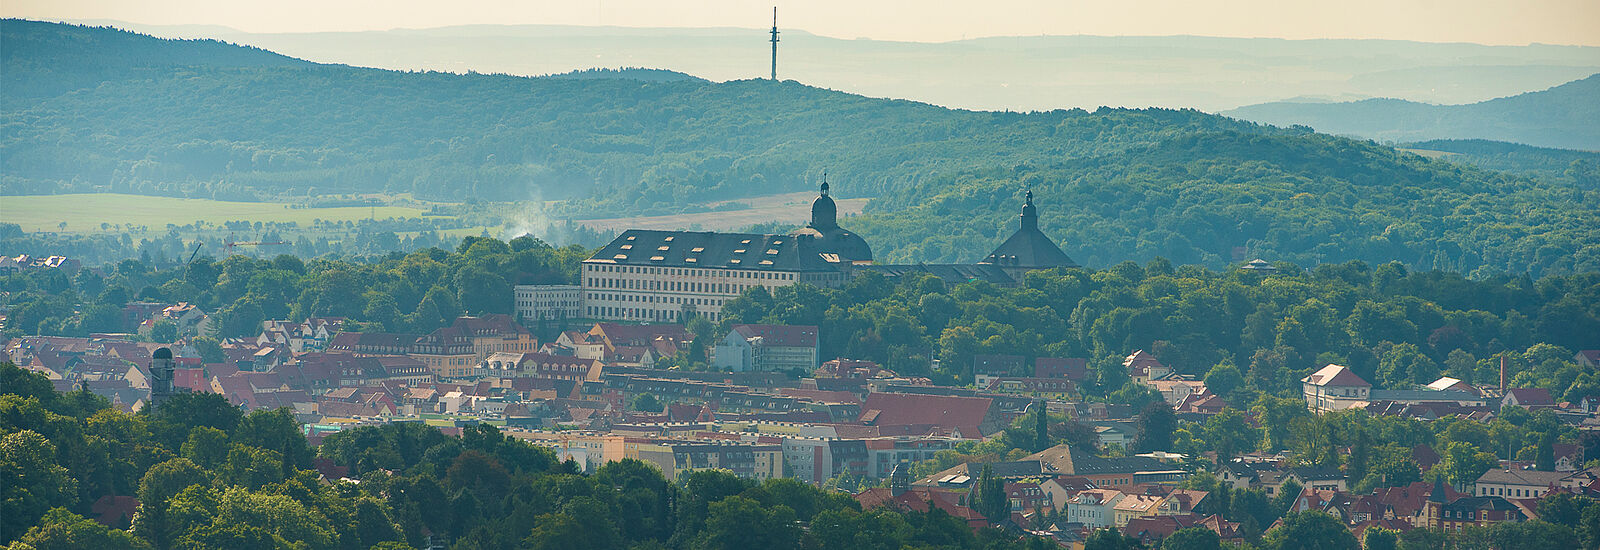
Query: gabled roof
pixel 1335 375
pixel 897 409
pixel 1530 397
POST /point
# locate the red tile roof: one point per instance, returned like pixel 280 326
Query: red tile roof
pixel 900 409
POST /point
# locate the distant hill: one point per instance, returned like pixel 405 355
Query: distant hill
pixel 1112 184
pixel 628 73
pixel 1019 73
pixel 41 59
pixel 1565 116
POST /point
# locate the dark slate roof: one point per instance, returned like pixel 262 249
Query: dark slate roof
pixel 1029 247
pixel 1093 465
pixel 950 273
pixel 641 247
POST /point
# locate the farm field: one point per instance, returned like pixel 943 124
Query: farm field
pixel 84 213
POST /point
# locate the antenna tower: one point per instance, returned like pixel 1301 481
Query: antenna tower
pixel 774 42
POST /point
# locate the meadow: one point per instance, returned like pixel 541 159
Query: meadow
pixel 105 212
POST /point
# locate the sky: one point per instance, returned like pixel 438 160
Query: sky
pixel 1499 22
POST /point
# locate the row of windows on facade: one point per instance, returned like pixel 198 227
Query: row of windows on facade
pixel 673 300
pixel 679 271
pixel 669 286
pixel 547 303
pixel 1504 492
pixel 645 314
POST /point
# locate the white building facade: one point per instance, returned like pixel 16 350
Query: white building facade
pixel 536 302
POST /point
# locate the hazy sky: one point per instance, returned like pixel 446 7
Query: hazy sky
pixel 1482 21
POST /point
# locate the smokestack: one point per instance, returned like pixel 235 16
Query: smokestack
pixel 1502 374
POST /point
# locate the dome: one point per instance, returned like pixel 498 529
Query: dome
pixel 824 214
pixel 826 235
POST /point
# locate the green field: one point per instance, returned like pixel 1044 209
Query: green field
pixel 84 213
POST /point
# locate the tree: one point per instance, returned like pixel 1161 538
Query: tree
pixel 1360 453
pixel 646 402
pixel 210 349
pixel 275 430
pixel 1462 463
pixel 34 483
pixel 162 482
pixel 1230 434
pixel 164 332
pixel 1041 426
pixel 206 447
pixel 1312 530
pixel 63 530
pixel 989 496
pixel 1224 378
pixel 1192 538
pixel 1111 539
pixel 1378 538
pixel 730 525
pixel 1155 424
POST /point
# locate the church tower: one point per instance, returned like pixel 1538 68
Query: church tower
pixel 1029 248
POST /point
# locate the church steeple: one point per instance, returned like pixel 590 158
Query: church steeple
pixel 1028 248
pixel 1030 215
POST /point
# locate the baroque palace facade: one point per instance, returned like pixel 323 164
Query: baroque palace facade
pixel 661 276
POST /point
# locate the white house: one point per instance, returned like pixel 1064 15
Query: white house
pixel 1334 388
pixel 1093 508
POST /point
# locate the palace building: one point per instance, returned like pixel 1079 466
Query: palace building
pixel 660 276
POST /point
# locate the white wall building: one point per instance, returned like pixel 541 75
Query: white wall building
pixel 535 302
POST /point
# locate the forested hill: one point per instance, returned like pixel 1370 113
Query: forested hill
pixel 1566 116
pixel 1113 184
pixel 44 59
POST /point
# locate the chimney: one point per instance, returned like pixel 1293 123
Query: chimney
pixel 1502 374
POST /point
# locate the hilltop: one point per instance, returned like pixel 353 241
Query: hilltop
pixel 1565 116
pixel 1114 184
pixel 990 73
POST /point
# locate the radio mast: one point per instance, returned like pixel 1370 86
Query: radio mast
pixel 774 42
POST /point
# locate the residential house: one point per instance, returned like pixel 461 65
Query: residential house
pixel 539 365
pixel 1143 367
pixel 1528 398
pixel 1334 388
pixel 1507 483
pixel 1132 506
pixel 1452 514
pixel 1094 508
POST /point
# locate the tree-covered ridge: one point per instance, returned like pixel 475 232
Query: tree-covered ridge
pixel 1260 334
pixel 1125 183
pixel 408 293
pixel 44 59
pixel 1306 198
pixel 208 476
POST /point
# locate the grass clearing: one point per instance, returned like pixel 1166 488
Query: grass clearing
pixel 83 213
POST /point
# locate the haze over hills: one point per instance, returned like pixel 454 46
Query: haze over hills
pixel 1112 185
pixel 1016 73
pixel 1565 116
